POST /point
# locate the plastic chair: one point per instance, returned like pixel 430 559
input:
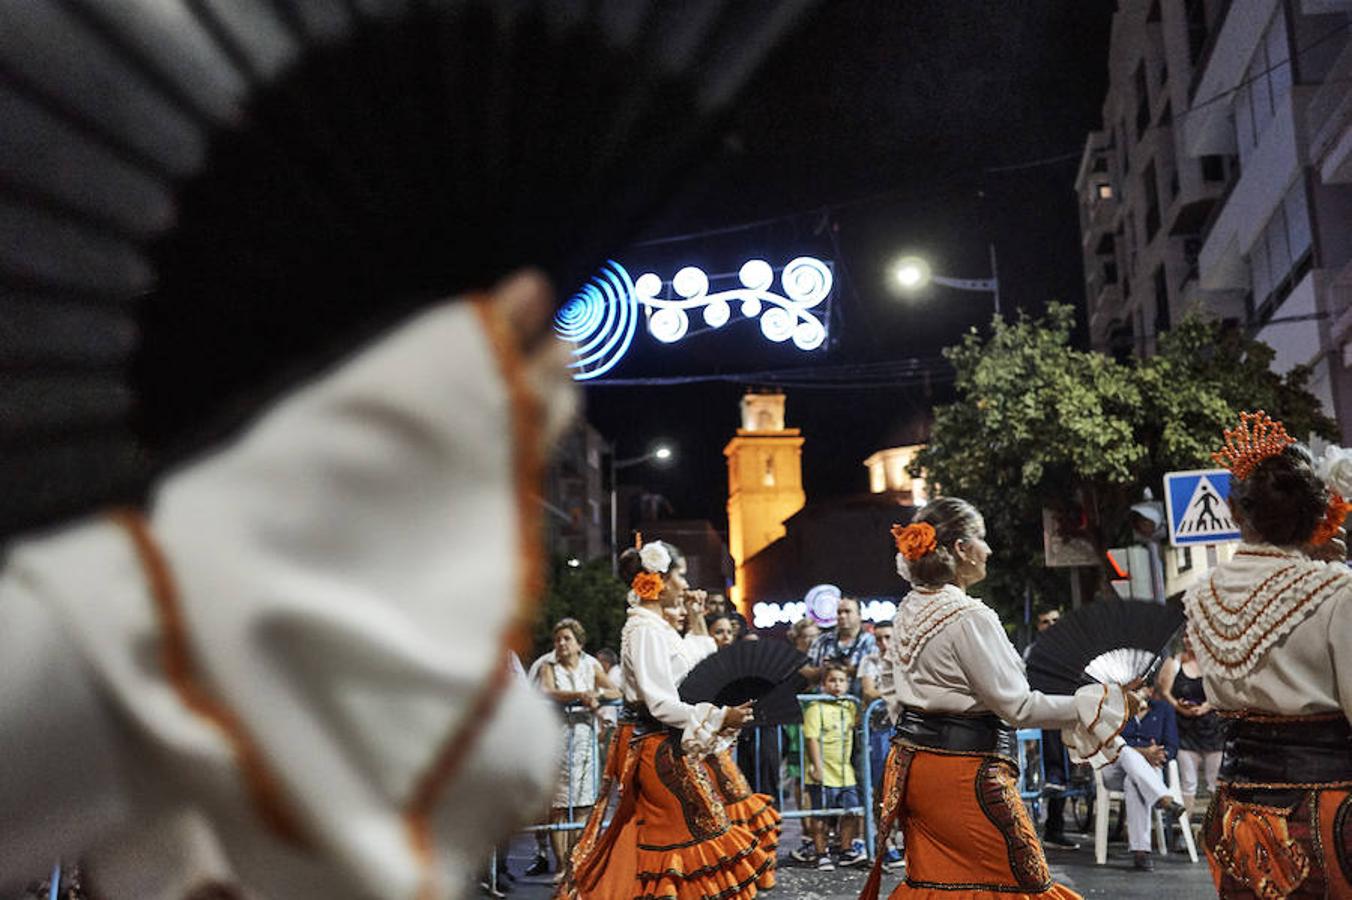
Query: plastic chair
pixel 1103 797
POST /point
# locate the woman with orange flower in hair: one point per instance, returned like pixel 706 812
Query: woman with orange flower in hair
pixel 1272 633
pixel 960 692
pixel 670 836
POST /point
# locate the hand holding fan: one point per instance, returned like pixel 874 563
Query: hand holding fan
pixel 1109 642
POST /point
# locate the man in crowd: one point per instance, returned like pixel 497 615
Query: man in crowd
pixel 1053 763
pixel 875 681
pixel 847 644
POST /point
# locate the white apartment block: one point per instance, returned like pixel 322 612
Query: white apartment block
pixel 1222 178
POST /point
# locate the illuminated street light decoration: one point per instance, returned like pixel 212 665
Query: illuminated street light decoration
pixel 600 319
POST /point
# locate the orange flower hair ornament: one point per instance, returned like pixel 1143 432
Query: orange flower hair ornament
pixel 915 540
pixel 1334 516
pixel 1256 438
pixel 647 585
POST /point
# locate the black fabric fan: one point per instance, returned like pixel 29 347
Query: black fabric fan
pixel 746 670
pixel 779 705
pixel 1109 642
pixel 201 200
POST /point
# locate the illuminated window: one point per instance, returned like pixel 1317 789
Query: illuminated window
pixel 1105 192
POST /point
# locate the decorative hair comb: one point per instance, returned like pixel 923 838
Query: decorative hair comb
pixel 1255 439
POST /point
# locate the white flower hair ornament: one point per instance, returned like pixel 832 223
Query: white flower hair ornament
pixel 655 557
pixel 1335 469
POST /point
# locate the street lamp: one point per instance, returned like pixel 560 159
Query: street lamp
pixel 661 453
pixel 912 273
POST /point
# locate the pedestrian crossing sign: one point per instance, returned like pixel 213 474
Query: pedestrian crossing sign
pixel 1198 505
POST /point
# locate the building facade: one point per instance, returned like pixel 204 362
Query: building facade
pixel 577 507
pixel 1221 179
pixel 1143 200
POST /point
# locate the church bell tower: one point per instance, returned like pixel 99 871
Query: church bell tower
pixel 765 482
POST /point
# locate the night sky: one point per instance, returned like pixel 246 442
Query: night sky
pixel 884 129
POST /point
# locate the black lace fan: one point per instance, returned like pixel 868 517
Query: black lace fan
pixel 201 200
pixel 746 670
pixel 1109 642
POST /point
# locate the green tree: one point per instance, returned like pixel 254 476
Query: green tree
pixel 1039 424
pixel 588 593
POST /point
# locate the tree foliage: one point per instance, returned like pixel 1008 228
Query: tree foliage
pixel 588 593
pixel 1038 423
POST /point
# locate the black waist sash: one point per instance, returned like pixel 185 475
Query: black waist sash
pixel 984 733
pixel 1264 750
pixel 637 715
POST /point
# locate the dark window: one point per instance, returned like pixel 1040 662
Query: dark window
pixel 1167 114
pixel 1154 14
pixel 1126 154
pixel 1142 100
pixel 1126 286
pixel 1184 559
pixel 1161 301
pixel 1152 200
pixel 1110 273
pixel 1195 13
pixel 1213 168
pixel 1100 164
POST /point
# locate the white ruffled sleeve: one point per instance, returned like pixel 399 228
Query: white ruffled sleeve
pixel 1102 713
pixel 269 658
pixel 700 722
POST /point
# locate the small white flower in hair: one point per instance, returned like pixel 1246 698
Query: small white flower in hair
pixel 903 567
pixel 655 557
pixel 1335 469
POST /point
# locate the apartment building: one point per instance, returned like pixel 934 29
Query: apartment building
pixel 1222 178
pixel 1144 201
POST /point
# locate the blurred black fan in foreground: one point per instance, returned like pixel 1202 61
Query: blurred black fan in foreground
pixel 201 200
pixel 762 671
pixel 1109 642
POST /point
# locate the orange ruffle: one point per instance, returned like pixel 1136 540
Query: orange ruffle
pixel 758 815
pixel 733 865
pixel 671 837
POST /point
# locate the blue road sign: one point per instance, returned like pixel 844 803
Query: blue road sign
pixel 1198 505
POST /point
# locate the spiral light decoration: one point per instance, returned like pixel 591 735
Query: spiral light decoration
pixel 600 321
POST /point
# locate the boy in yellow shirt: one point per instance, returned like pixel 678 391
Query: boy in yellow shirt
pixel 828 737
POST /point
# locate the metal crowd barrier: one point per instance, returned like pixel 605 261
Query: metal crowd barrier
pixel 863 774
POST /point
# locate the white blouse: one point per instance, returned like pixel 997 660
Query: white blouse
pixel 1272 631
pixel 950 654
pixel 655 659
pixel 342 577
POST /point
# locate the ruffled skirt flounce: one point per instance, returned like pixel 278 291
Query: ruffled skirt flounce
pixel 670 837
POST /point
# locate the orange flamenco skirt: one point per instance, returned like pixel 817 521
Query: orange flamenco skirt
pixel 967 832
pixel 670 837
pixel 755 812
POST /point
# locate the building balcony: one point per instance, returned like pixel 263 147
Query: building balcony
pixel 1262 185
pixel 1207 129
pixel 1329 122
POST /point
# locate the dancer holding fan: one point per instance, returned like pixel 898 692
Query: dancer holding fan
pixel 951 776
pixel 1272 632
pixel 670 835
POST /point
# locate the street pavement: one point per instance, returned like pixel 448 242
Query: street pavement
pixel 1175 876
